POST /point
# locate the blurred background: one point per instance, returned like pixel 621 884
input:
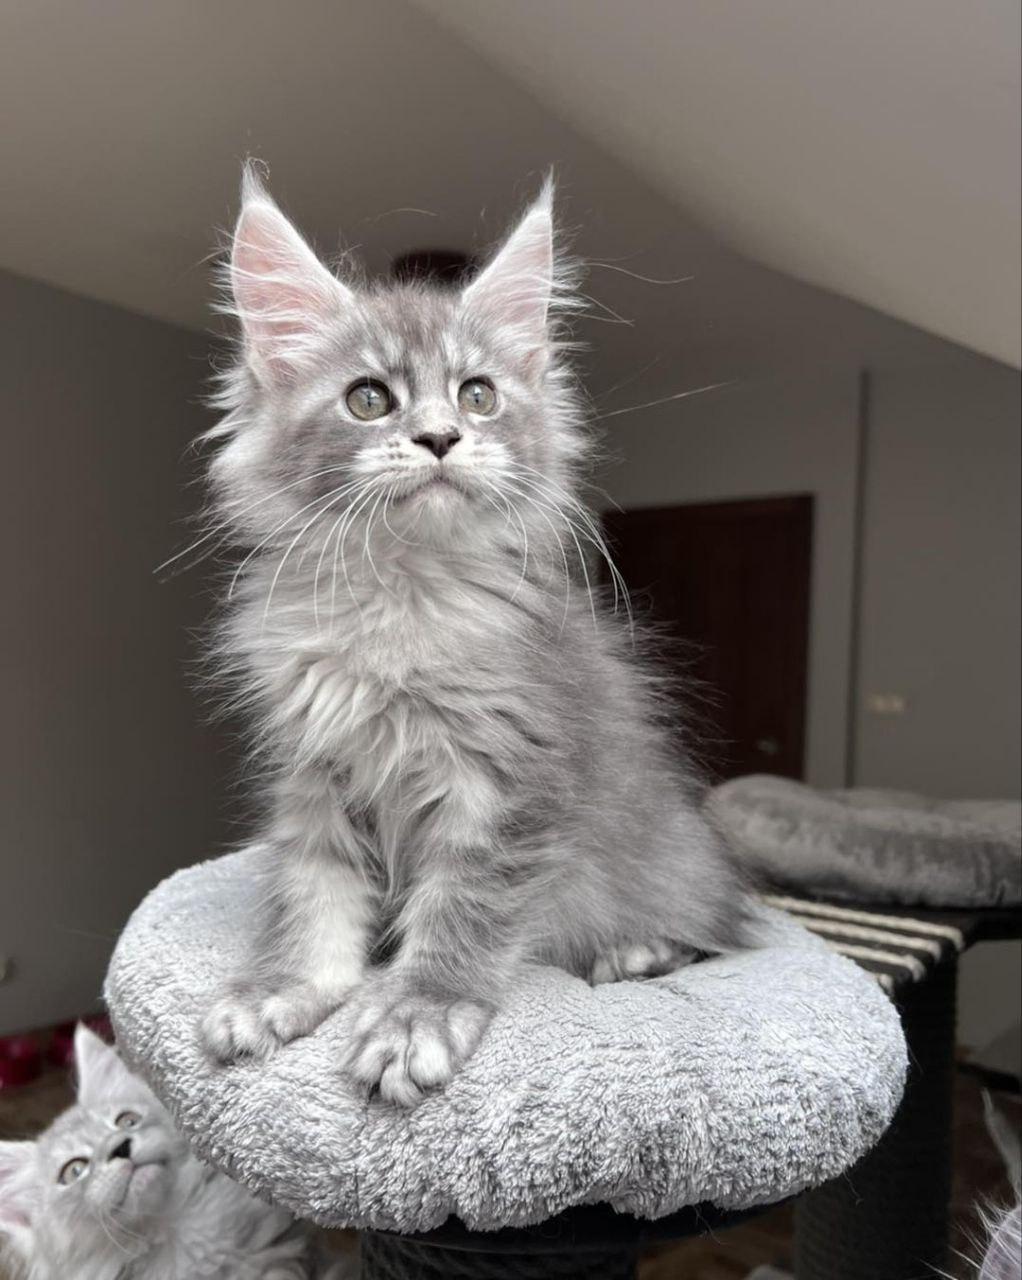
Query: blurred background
pixel 801 223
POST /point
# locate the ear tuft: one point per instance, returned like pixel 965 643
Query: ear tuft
pixel 98 1066
pixel 283 294
pixel 253 182
pixel 514 290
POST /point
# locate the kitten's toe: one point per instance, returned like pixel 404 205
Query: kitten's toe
pixel 297 1010
pixel 233 1029
pixel 639 960
pixel 253 1024
pixel 406 1044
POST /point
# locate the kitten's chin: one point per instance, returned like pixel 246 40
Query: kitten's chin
pixel 146 1189
pixel 429 507
pixel 439 489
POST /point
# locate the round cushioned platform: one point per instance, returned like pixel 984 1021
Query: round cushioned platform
pixel 876 846
pixel 740 1080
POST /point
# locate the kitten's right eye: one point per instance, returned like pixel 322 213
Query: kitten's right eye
pixel 368 400
pixel 477 395
pixel 73 1171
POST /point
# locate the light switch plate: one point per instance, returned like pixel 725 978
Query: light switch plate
pixel 886 704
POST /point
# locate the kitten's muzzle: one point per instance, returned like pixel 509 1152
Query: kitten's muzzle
pixel 122 1151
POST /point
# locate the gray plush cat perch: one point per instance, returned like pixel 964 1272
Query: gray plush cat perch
pixel 732 1083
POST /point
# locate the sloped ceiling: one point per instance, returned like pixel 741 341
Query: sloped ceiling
pixel 868 147
pixel 387 126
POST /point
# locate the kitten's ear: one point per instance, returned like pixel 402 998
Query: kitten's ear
pixel 514 289
pixel 282 293
pixel 17 1185
pixel 98 1066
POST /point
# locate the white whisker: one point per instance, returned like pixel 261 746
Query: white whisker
pixel 367 549
pixel 232 517
pixel 591 531
pixel 678 395
pixel 611 317
pixel 564 558
pixel 338 494
pixel 273 533
pixel 610 266
pixel 569 525
pixel 627 382
pixel 319 569
pixel 428 213
pixel 387 525
pixel 342 537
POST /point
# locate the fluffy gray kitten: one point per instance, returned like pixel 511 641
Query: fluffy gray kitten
pixel 467 766
pixel 110 1192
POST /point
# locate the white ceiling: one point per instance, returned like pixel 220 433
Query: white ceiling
pixel 126 122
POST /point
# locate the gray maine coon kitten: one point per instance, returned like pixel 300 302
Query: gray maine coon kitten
pixel 466 766
pixel 110 1192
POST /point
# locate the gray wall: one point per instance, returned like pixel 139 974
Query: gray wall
pixel 108 778
pixel 942 564
pixel 941 626
pixel 793 435
pixel 939 619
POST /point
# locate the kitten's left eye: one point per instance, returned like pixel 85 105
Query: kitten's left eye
pixel 477 395
pixel 368 400
pixel 73 1171
pixel 128 1120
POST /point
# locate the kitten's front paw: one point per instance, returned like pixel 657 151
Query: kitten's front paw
pixel 642 960
pixel 406 1043
pixel 251 1023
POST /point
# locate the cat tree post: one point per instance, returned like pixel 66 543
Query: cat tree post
pixel 387 1257
pixel 887 1219
pixel 587 1243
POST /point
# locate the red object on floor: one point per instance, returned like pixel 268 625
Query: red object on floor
pixel 24 1057
pixel 21 1060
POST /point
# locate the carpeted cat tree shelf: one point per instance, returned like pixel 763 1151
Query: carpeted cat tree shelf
pixel 730 1084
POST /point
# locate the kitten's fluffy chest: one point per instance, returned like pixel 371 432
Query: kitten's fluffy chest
pixel 403 654
pixel 217 1229
pixel 419 616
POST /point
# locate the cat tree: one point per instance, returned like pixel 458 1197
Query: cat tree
pixel 589 1120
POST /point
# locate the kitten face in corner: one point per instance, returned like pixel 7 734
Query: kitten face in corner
pixel 99 1176
pixel 111 1192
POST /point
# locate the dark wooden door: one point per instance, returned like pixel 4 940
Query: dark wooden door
pixel 730 581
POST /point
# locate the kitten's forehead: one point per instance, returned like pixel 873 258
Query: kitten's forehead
pixel 95 1121
pixel 76 1125
pixel 408 329
pixel 411 328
